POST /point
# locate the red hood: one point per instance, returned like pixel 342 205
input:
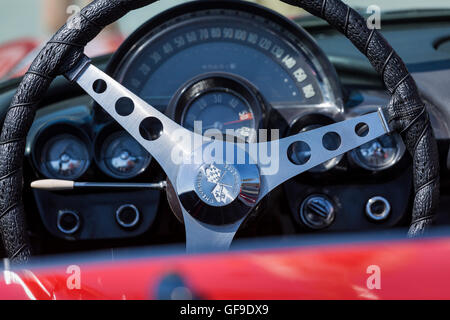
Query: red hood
pixel 12 53
pixel 16 56
pixel 409 270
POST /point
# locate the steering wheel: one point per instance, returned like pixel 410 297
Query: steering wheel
pixel 214 192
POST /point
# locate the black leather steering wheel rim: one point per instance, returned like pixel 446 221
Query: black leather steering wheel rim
pixel 406 111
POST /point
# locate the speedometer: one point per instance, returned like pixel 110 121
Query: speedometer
pixel 274 55
pixel 222 110
pixel 219 102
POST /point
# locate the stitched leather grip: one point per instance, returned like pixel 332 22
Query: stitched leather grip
pixel 59 55
pixel 406 110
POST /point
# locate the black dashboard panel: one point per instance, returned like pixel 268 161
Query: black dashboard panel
pixel 90 215
pixel 97 213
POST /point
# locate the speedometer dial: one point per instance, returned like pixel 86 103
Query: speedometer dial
pixel 221 110
pixel 219 103
pixel 276 56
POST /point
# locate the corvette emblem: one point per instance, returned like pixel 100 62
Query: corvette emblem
pixel 222 194
pixel 218 185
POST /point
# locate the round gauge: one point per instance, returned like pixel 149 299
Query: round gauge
pixel 245 40
pixel 380 153
pixel 65 157
pixel 219 102
pixel 123 157
pixel 221 110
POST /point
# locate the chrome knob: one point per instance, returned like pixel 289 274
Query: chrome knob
pixel 317 212
pixel 378 209
pixel 127 216
pixel 68 221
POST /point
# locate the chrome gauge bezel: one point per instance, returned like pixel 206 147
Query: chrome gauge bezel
pixel 51 132
pixel 400 152
pixel 207 83
pixel 101 138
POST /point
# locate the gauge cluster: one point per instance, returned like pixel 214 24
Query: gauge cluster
pixel 362 189
pixel 380 154
pixel 66 152
pixel 375 156
pixel 67 143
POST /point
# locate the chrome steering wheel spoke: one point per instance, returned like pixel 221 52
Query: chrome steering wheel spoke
pixel 201 236
pixel 215 198
pixel 148 126
pixel 306 150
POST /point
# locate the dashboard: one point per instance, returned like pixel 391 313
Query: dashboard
pixel 225 66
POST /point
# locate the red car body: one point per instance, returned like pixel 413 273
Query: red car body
pixel 414 269
pixel 12 56
pixel 16 56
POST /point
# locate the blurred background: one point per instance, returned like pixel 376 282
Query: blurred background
pixel 40 18
pixel 26 24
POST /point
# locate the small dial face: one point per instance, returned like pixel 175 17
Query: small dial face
pixel 378 154
pixel 123 157
pixel 221 110
pixel 65 157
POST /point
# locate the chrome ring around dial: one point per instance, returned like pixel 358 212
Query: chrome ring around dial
pixel 121 157
pixel 64 156
pixel 379 154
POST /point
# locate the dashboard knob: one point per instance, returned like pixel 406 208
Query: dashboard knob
pixel 317 212
pixel 68 221
pixel 378 209
pixel 127 216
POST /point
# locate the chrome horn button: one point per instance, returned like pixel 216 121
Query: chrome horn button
pixel 218 193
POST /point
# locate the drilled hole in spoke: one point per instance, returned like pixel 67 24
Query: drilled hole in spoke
pixel 362 129
pixel 124 106
pixel 331 141
pixel 99 86
pixel 299 153
pixel 151 128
